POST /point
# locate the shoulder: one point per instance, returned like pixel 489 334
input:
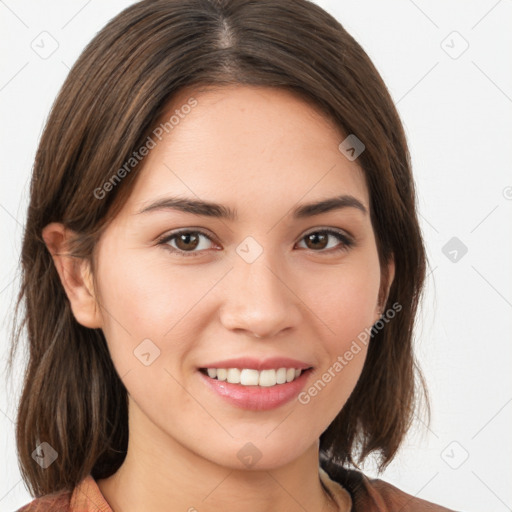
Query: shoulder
pixel 375 495
pixel 396 499
pixel 57 502
pixel 85 497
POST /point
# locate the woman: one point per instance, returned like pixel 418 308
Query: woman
pixel 190 346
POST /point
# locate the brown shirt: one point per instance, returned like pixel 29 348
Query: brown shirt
pixel 373 495
pixel 364 495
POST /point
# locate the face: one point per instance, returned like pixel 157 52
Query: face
pixel 266 288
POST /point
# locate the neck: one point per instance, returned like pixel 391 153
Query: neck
pixel 159 471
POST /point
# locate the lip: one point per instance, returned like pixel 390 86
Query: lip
pixel 256 398
pixel 252 363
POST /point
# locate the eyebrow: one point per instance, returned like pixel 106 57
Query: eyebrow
pixel 210 209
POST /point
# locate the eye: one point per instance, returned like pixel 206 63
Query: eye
pixel 319 240
pixel 186 242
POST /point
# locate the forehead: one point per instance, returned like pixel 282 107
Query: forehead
pixel 246 145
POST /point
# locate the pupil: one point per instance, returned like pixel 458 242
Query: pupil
pixel 316 236
pixel 184 238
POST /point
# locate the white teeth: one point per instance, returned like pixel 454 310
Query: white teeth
pixel 251 377
pixel 233 376
pixel 267 378
pixel 281 376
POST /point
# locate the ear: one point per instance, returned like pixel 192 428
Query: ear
pixel 75 275
pixel 388 275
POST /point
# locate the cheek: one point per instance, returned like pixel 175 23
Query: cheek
pixel 345 299
pixel 345 304
pixel 347 310
pixel 140 302
pixel 144 291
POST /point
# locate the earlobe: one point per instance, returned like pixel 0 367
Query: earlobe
pixel 75 276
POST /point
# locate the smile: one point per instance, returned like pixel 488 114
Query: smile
pixel 256 390
pixel 252 377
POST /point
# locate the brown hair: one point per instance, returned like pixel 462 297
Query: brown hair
pixel 119 87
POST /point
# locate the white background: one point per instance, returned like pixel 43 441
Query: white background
pixel 456 108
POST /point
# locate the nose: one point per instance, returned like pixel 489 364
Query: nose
pixel 259 299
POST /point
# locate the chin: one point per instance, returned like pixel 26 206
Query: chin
pixel 260 454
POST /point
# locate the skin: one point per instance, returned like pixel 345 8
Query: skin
pixel 261 151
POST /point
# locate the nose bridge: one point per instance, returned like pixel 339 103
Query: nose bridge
pixel 259 299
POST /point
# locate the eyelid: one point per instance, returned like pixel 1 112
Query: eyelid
pixel 329 229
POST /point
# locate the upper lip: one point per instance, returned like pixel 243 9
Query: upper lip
pixel 258 363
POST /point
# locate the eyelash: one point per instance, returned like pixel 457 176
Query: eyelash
pixel 347 243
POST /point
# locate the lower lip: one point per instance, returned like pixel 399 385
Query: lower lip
pixel 257 398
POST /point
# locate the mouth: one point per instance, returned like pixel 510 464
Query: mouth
pixel 256 385
pixel 251 377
